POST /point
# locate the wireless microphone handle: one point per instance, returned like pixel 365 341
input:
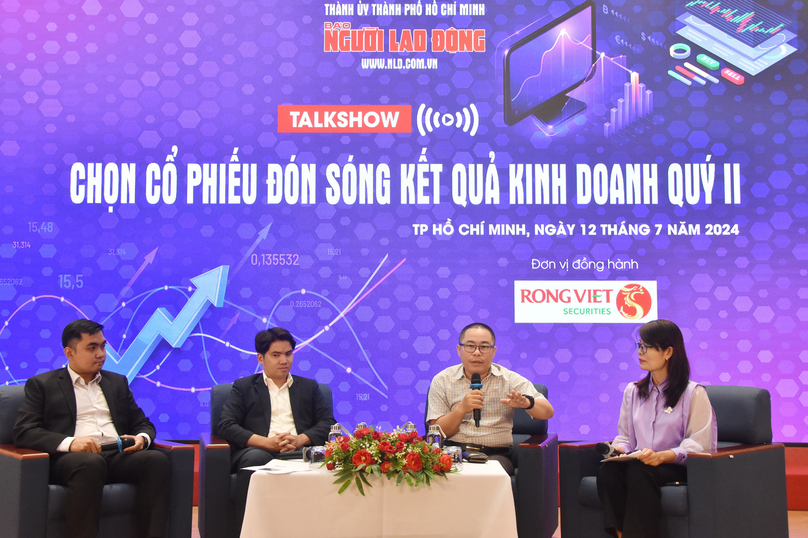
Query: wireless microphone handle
pixel 119 445
pixel 476 384
pixel 605 449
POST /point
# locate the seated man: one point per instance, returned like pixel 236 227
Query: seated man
pixel 451 403
pixel 271 413
pixel 71 412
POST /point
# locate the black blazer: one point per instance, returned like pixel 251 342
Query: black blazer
pixel 48 412
pixel 248 411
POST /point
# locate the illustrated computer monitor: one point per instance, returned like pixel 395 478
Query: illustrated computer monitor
pixel 541 68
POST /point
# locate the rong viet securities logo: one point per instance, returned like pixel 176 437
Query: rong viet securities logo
pixel 584 301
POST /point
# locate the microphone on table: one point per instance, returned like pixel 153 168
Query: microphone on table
pixel 476 384
pixel 605 449
pixel 119 445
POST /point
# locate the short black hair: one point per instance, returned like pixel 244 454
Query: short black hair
pixel 264 339
pixel 477 325
pixel 73 331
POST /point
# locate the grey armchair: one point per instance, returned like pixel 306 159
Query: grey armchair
pixel 30 507
pixel 217 512
pixel 535 479
pixel 739 491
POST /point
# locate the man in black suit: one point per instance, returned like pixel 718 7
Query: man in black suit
pixel 71 412
pixel 271 413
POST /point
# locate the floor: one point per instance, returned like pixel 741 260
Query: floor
pixel 797 525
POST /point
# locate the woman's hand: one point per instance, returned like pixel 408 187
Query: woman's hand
pixel 649 457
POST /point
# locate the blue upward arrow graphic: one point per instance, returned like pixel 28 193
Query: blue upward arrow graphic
pixel 210 289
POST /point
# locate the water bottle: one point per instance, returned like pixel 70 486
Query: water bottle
pixel 433 436
pixel 410 427
pixel 335 433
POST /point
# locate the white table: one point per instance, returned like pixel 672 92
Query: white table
pixel 477 502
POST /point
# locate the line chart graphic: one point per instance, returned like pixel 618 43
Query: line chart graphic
pixel 210 288
pixel 565 50
pixel 272 319
pixel 13 380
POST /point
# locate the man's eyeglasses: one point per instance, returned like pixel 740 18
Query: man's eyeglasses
pixel 642 347
pixel 471 348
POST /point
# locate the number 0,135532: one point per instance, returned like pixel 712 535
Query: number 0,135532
pixel 275 259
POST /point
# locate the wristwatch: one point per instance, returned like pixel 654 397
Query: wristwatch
pixel 532 401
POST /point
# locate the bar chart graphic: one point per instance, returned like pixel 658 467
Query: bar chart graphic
pixel 636 103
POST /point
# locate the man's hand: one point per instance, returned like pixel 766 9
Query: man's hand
pixel 516 400
pixel 291 442
pixel 273 444
pixel 649 457
pixel 83 444
pixel 140 443
pixel 471 401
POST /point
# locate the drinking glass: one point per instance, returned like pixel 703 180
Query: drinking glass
pixel 457 456
pixel 316 457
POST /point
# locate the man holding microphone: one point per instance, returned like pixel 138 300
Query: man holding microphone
pixel 87 420
pixel 477 414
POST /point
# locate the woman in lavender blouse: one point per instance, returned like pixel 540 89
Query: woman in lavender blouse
pixel 664 417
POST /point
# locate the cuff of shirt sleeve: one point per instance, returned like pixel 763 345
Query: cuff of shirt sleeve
pixel 64 446
pixel 148 439
pixel 681 456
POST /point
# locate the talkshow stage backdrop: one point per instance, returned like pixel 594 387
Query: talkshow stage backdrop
pixel 373 176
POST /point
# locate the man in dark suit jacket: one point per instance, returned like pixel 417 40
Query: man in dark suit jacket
pixel 71 412
pixel 271 413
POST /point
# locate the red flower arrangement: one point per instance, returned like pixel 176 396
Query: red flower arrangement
pixel 402 455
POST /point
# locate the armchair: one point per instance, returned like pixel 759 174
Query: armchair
pixel 739 491
pixel 33 508
pixel 535 479
pixel 217 513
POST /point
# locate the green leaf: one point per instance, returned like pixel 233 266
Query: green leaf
pixel 343 475
pixel 400 478
pixel 359 485
pixel 344 486
pixel 365 480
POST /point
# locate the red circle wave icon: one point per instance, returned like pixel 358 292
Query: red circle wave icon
pixel 633 301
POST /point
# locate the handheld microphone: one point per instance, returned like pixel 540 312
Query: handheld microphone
pixel 605 449
pixel 119 445
pixel 476 384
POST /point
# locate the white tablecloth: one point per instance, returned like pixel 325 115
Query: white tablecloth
pixel 477 502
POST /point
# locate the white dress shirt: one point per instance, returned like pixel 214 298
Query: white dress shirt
pixel 93 419
pixel 282 420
